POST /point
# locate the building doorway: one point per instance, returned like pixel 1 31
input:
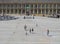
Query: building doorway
pixel 58 11
pixel 27 13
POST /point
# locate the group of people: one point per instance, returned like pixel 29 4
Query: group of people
pixel 28 17
pixel 31 30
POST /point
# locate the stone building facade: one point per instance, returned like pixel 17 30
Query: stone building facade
pixel 33 7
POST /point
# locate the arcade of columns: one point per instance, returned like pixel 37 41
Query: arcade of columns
pixel 35 9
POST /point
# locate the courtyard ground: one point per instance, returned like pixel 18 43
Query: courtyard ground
pixel 13 32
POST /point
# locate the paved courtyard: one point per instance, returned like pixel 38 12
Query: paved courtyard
pixel 13 32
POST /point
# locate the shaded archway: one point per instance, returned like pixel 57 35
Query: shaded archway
pixel 58 11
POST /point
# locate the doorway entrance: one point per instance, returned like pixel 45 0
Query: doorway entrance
pixel 27 13
pixel 58 11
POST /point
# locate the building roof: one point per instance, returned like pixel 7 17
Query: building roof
pixel 29 1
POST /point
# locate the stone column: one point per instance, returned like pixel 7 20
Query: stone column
pixel 45 8
pixel 45 11
pixel 17 11
pixel 56 11
pixel 52 9
pixel 29 9
pixel 10 9
pixel 2 11
pixel 41 8
pixel 21 11
pixel 25 9
pixel 33 9
pixel 49 11
pixel 56 8
pixel 37 11
pixel 6 11
pixel 37 8
pixel 41 11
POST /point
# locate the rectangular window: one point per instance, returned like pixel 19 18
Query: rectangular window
pixel 31 5
pixel 43 5
pixel 58 6
pixel 8 5
pixel 35 5
pixel 14 6
pixel 11 5
pixel 50 5
pixel 23 5
pixel 19 5
pixel 54 6
pixel 39 5
pixel 47 5
pixel 27 5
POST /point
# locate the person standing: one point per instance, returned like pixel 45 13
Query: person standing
pixel 47 32
pixel 30 30
pixel 25 27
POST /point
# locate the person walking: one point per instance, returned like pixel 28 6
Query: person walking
pixel 26 33
pixel 25 27
pixel 47 32
pixel 30 30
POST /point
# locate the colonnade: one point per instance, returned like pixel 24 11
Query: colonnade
pixel 34 9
